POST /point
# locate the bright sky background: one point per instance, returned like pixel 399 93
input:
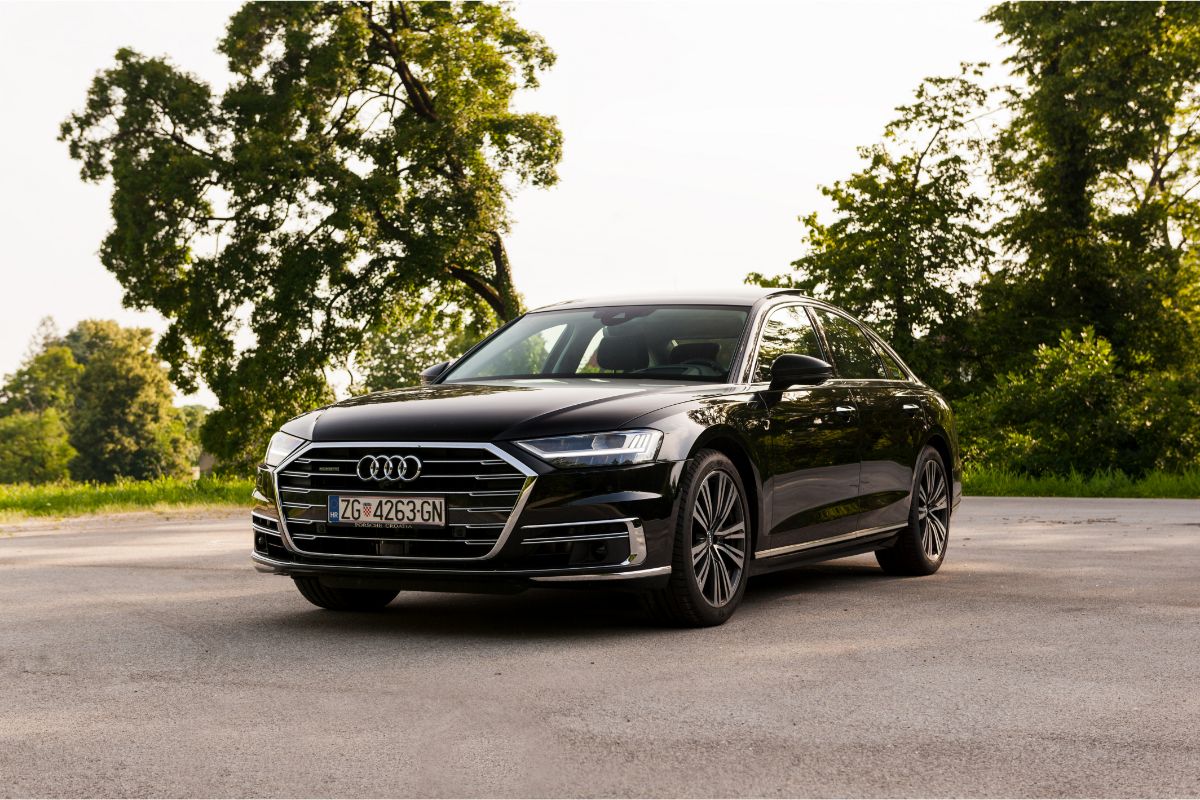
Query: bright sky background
pixel 695 134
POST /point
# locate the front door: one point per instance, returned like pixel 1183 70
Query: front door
pixel 810 442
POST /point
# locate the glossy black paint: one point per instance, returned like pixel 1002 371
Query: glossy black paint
pixel 819 461
pixel 790 370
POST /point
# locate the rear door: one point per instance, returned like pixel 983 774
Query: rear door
pixel 891 419
pixel 810 441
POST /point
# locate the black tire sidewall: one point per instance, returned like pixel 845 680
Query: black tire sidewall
pixel 683 573
pixel 914 521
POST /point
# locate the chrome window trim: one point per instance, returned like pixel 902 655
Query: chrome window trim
pixel 751 366
pixel 844 537
pixel 867 334
pixel 509 526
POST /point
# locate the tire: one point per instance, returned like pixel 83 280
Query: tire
pixel 920 547
pixel 711 551
pixel 343 599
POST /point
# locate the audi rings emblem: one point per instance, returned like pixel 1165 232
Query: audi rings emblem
pixel 389 468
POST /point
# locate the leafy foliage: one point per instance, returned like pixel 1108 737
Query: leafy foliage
pixel 1097 169
pixel 97 401
pixel 34 447
pixel 192 416
pixel 46 381
pixel 124 422
pixel 906 228
pixel 1076 409
pixel 412 339
pixel 364 153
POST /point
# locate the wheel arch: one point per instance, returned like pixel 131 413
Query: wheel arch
pixel 727 442
pixel 938 440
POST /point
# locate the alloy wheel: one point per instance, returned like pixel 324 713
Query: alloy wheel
pixel 933 510
pixel 718 538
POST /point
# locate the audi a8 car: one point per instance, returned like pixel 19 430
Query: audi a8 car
pixel 674 447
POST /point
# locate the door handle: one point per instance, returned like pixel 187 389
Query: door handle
pixel 911 408
pixel 845 411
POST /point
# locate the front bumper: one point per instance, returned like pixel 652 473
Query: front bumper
pixel 578 527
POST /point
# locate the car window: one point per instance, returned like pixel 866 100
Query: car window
pixel 852 351
pixel 667 342
pixel 891 366
pixel 787 330
pixel 526 356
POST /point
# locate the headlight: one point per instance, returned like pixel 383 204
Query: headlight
pixel 282 445
pixel 597 449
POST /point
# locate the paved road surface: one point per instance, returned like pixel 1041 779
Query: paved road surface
pixel 1056 653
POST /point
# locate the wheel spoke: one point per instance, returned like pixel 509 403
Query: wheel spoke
pixel 726 498
pixel 718 538
pixel 702 572
pixel 939 534
pixel 735 531
pixel 736 556
pixel 721 581
pixel 703 510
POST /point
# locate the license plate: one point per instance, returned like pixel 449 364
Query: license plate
pixel 387 512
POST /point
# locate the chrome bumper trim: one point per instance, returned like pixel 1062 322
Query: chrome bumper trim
pixel 633 530
pixel 267 564
pixel 607 576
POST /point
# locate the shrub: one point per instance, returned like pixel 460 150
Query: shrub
pixel 1076 410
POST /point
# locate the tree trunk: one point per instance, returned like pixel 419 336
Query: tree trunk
pixel 510 300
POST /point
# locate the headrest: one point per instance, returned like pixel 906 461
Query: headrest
pixel 623 353
pixel 689 351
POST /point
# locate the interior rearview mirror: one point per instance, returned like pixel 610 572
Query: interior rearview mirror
pixel 792 369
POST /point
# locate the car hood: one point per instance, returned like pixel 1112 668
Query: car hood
pixel 495 411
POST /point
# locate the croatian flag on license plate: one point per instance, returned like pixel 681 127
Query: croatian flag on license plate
pixel 335 509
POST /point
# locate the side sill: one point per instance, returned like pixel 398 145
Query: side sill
pixel 845 537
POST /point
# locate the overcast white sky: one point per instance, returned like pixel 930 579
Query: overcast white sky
pixel 695 134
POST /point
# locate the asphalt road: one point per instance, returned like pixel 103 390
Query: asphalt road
pixel 1056 653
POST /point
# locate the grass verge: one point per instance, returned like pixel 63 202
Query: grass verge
pixel 69 498
pixel 1001 483
pixel 72 499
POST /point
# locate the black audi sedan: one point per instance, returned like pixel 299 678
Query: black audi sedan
pixel 674 447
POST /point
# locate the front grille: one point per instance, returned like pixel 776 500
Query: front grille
pixel 481 487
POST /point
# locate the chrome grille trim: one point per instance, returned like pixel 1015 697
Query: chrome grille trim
pixel 527 475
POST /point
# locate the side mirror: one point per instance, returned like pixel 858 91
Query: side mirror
pixel 429 375
pixel 791 369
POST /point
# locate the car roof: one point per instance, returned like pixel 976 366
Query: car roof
pixel 735 296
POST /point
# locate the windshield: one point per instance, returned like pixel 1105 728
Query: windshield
pixel 677 343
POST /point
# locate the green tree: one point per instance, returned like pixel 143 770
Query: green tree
pixel 124 422
pixel 34 447
pixel 46 380
pixel 907 228
pixel 193 416
pixel 411 339
pixel 363 153
pixel 1098 167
